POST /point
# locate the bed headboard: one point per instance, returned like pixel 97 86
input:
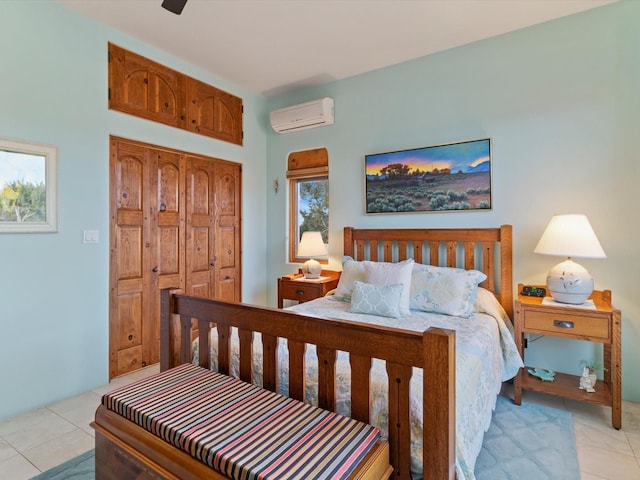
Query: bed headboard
pixel 486 249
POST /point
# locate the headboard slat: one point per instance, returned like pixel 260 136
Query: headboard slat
pixel 488 259
pixel 387 248
pixel 452 254
pixel 434 253
pixel 469 255
pixel 373 246
pixel 418 246
pixel 402 250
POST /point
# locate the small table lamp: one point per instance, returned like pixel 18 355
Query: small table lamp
pixel 311 245
pixel 570 236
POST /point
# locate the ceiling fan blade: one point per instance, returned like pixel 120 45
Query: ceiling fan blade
pixel 174 6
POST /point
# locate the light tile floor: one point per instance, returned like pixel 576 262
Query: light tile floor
pixel 39 440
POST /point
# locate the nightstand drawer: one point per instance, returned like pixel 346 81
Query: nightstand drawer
pixel 301 291
pixel 583 326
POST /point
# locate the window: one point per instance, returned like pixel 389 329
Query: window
pixel 308 174
pixel 28 191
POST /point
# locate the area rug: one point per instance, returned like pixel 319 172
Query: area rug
pixel 526 442
pixel 82 467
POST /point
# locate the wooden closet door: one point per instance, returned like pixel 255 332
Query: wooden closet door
pixel 129 261
pixel 167 232
pixel 175 223
pixel 227 232
pixel 200 220
pixel 147 249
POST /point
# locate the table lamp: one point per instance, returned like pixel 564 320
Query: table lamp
pixel 570 236
pixel 311 245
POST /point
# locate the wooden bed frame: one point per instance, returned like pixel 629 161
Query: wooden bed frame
pixel 485 249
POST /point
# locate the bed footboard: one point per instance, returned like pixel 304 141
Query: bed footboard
pixel 432 350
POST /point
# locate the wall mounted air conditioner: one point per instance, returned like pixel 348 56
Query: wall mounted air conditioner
pixel 300 117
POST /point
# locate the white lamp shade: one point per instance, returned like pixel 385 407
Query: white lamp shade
pixel 570 236
pixel 311 245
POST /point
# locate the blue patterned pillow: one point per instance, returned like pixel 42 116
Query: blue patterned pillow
pixel 451 291
pixel 380 300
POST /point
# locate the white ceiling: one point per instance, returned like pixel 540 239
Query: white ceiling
pixel 272 47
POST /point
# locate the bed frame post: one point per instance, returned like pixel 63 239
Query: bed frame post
pixel 439 400
pixel 347 241
pixel 506 270
pixel 166 306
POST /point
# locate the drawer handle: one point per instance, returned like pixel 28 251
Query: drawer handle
pixel 562 324
pixel 299 292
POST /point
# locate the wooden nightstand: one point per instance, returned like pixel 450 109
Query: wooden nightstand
pixel 302 290
pixel 601 325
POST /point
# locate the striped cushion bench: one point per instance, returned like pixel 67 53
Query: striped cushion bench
pixel 241 430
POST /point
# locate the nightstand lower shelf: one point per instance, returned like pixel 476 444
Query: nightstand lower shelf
pixel 566 386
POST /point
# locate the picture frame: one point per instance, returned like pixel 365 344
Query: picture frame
pixel 28 187
pixel 449 177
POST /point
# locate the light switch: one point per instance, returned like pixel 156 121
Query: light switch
pixel 90 236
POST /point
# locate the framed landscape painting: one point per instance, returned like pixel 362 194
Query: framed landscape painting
pixel 440 178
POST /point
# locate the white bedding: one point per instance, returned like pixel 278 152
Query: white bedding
pixel 485 357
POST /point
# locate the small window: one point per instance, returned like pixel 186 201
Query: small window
pixel 308 174
pixel 28 190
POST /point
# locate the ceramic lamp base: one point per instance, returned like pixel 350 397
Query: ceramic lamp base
pixel 569 282
pixel 311 269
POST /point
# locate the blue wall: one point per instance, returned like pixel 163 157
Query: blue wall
pixel 560 101
pixel 53 289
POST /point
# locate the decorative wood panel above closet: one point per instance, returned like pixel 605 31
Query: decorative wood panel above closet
pixel 147 89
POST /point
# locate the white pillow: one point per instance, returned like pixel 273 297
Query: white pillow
pixel 381 300
pixel 384 273
pixel 451 291
pixel 351 271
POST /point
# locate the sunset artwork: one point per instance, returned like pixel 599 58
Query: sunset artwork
pixel 451 177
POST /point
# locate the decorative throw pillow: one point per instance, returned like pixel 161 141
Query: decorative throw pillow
pixel 385 273
pixel 351 271
pixel 451 291
pixel 381 300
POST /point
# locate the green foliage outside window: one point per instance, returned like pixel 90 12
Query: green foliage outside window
pixel 313 197
pixel 23 202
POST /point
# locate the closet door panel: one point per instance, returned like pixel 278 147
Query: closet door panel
pixel 169 227
pixel 200 233
pixel 129 245
pixel 129 359
pixel 128 257
pixel 227 236
pixel 129 314
pixel 164 184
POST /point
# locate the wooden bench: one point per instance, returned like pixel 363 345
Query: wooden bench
pixel 189 422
